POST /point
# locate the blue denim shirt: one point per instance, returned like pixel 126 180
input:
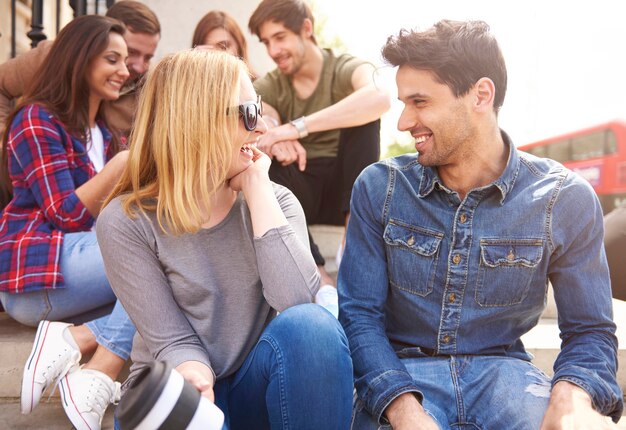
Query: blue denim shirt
pixel 425 273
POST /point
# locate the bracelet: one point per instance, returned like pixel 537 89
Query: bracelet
pixel 300 126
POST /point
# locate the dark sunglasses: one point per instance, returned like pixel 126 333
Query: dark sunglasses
pixel 250 112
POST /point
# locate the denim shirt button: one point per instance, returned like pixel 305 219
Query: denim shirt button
pixel 445 339
pixel 456 259
pixel 510 256
pixel 452 298
pixel 463 218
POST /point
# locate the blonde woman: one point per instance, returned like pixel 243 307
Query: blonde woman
pixel 190 238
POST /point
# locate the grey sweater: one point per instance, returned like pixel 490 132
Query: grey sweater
pixel 206 296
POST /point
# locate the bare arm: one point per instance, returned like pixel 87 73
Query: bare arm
pixel 93 192
pixel 365 104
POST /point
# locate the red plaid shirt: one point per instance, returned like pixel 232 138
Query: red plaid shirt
pixel 46 165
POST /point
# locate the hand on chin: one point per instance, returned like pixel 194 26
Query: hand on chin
pixel 253 172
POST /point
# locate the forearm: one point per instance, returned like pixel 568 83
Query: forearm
pixel 578 364
pixel 295 279
pixel 93 192
pixel 286 268
pixel 580 278
pixel 265 212
pixel 380 375
pixel 361 107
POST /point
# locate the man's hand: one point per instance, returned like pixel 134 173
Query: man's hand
pixel 406 413
pixel 571 408
pixel 289 151
pixel 200 376
pixel 281 143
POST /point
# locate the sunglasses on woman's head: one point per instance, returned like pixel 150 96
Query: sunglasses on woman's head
pixel 250 112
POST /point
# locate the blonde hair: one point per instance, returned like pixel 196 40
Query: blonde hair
pixel 182 140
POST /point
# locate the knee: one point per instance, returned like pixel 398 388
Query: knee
pixel 310 326
pixel 24 318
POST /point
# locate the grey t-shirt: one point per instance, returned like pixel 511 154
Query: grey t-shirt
pixel 205 296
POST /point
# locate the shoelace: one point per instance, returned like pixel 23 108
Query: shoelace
pixel 59 367
pixel 101 393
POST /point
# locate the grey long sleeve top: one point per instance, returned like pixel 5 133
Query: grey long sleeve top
pixel 206 296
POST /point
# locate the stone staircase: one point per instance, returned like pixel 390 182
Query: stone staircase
pixel 16 342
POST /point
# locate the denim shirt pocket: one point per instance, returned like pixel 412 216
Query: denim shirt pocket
pixel 412 254
pixel 506 269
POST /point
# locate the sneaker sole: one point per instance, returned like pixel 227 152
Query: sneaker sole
pixel 70 407
pixel 28 378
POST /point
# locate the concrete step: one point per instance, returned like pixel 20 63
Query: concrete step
pixel 328 238
pixel 16 341
pixel 48 415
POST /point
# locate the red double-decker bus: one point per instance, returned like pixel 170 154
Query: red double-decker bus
pixel 597 153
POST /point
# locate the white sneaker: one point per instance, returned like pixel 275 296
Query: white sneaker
pixel 54 353
pixel 327 298
pixel 85 394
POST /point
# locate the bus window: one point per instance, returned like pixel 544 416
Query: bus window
pixel 559 151
pixel 589 145
pixel 539 151
pixel 611 143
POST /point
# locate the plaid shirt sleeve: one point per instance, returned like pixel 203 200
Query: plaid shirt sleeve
pixel 42 152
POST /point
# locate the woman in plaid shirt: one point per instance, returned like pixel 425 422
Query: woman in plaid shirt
pixel 60 161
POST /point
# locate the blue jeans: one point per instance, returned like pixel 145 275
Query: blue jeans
pixel 474 392
pixel 298 376
pixel 87 295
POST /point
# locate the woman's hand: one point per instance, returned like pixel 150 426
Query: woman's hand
pixel 200 376
pixel 257 171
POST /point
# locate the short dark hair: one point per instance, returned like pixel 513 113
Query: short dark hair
pixel 457 53
pixel 138 17
pixel 290 13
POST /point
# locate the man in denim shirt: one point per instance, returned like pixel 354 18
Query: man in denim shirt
pixel 449 255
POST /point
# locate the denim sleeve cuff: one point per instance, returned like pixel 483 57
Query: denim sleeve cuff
pixel 385 389
pixel 606 396
pixel 382 419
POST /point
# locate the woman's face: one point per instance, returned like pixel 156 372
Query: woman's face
pixel 107 71
pixel 242 154
pixel 221 40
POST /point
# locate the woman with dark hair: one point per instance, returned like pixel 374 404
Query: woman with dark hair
pixel 59 161
pixel 218 30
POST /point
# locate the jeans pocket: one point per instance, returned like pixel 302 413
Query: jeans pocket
pixel 506 270
pixel 412 254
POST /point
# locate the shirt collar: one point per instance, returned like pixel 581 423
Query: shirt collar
pixel 430 178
